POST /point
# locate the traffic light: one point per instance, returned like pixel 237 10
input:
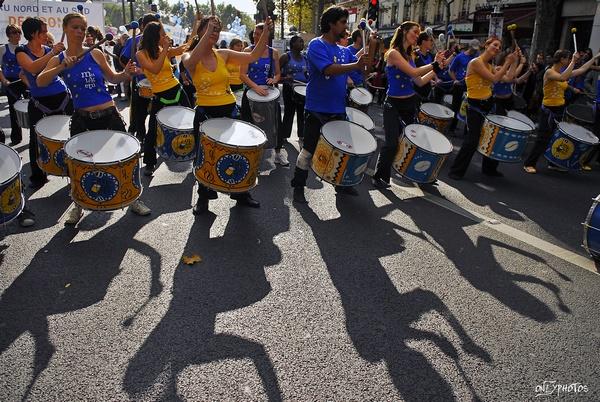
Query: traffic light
pixel 373 11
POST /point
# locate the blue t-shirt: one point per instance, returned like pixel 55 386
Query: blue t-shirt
pixel 355 75
pixel 126 54
pixel 326 93
pixel 502 88
pixel 460 63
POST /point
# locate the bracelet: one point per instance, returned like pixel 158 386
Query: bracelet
pixel 436 67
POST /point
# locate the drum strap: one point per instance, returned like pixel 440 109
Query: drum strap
pixel 47 111
pixel 171 101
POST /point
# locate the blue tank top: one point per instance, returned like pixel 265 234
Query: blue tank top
pixel 259 71
pixel 502 88
pixel 424 59
pixel 86 82
pixel 57 85
pixel 297 69
pixel 399 83
pixel 10 67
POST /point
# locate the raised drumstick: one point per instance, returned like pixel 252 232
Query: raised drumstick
pixel 512 28
pixel 574 32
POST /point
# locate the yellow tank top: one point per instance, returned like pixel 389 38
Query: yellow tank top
pixel 164 79
pixel 212 87
pixel 554 93
pixel 478 87
pixel 234 74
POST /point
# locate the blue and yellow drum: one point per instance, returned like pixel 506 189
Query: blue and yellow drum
pixel 175 133
pixel 591 230
pixel 569 145
pixel 104 169
pixel 503 138
pixel 12 201
pixel 436 116
pixel 52 134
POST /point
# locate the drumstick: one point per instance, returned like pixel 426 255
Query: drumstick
pixel 574 32
pixel 429 31
pixel 264 9
pixel 108 37
pixel 511 28
pixel 212 7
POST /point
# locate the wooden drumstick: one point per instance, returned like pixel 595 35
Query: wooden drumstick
pixel 108 37
pixel 212 7
pixel 574 32
pixel 511 28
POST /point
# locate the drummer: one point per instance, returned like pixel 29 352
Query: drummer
pixel 44 101
pixel 235 82
pixel 85 78
pixel 264 71
pixel 325 92
pixel 294 67
pixel 479 80
pixel 457 71
pixel 503 89
pixel 424 56
pixel 553 104
pixel 9 78
pixel 401 103
pixel 214 98
pixel 154 58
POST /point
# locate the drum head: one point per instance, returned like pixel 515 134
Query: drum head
pixel 178 117
pixel 508 122
pixel 10 163
pixel 428 139
pixel 361 96
pixel 232 132
pixel 439 111
pixel 21 105
pixel 102 146
pixel 349 137
pixel 54 127
pixel 581 113
pixel 521 117
pixel 577 132
pixel 273 93
pixel 360 118
pixel 300 89
pixel 144 83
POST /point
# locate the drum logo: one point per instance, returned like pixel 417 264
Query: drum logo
pixel 160 137
pixel 44 154
pixel 511 146
pixel 233 168
pixel 422 166
pixel 563 148
pixel 183 144
pixel 99 186
pixel 10 198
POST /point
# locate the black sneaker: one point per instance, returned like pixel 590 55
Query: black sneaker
pixel 26 219
pixel 380 183
pixel 347 190
pixel 246 199
pixel 200 207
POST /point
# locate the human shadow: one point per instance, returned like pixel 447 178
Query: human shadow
pixel 67 275
pixel 380 320
pixel 476 262
pixel 230 276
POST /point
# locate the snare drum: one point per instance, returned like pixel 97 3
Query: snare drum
pixel 265 113
pixel 343 153
pixel 582 115
pixel 229 155
pixel 145 89
pixel 299 95
pixel 421 153
pixel 503 138
pixel 104 169
pixel 591 230
pixel 360 118
pixel 436 116
pixel 360 98
pixel 12 200
pixel 520 116
pixel 569 145
pixel 21 112
pixel 175 133
pixel 52 134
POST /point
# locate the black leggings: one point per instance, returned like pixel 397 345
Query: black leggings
pixel 290 107
pixel 14 92
pixel 547 124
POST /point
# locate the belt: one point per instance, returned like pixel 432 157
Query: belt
pixel 97 114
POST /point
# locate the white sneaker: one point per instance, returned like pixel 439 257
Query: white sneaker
pixel 74 215
pixel 139 208
pixel 281 158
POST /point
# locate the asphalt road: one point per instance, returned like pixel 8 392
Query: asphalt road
pixel 391 295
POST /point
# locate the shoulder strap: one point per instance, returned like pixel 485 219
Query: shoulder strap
pixel 271 62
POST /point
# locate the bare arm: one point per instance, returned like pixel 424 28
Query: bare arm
pixel 38 65
pixel 152 65
pixel 420 81
pixel 245 57
pixel 53 68
pixel 107 71
pixel 583 69
pixel 477 66
pixel 396 59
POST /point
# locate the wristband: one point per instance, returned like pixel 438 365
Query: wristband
pixel 436 67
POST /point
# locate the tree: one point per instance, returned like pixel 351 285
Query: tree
pixel 547 13
pixel 300 14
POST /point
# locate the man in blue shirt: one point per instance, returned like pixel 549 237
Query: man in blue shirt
pixel 458 71
pixel 326 90
pixel 354 48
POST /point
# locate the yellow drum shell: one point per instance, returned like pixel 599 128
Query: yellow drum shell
pixel 144 89
pixel 56 156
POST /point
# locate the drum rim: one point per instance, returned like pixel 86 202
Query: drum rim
pixel 532 125
pixel 360 112
pixel 423 149
pixel 526 132
pixel 200 132
pixel 587 225
pixel 52 117
pixel 229 191
pixel 263 87
pixel 356 124
pixel 136 154
pixel 299 85
pixel 357 89
pixel 436 117
pixel 575 138
pixel 20 164
pixel 176 128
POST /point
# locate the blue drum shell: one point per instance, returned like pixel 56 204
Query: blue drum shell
pixel 591 236
pixel 571 149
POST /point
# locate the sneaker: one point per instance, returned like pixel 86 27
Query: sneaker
pixel 557 168
pixel 380 183
pixel 148 170
pixel 246 199
pixel 347 190
pixel 74 215
pixel 139 208
pixel 529 169
pixel 281 158
pixel 200 207
pixel 26 218
pixel 586 168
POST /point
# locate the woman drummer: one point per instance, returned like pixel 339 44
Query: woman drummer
pixel 423 57
pixel 401 102
pixel 295 70
pixel 45 101
pixel 480 79
pixel 503 89
pixel 214 98
pixel 235 81
pixel 264 71
pixel 154 58
pixel 85 77
pixel 553 104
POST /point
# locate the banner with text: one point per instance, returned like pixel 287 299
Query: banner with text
pixel 52 12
